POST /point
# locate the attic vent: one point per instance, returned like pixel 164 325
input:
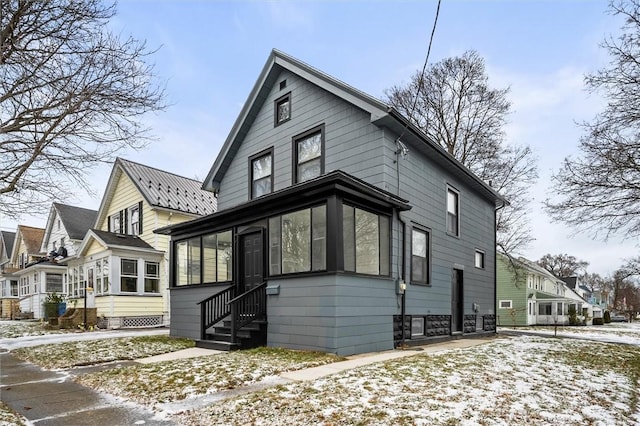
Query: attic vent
pixel 283 84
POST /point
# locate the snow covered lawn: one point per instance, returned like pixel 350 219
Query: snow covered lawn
pixel 88 352
pixel 9 418
pixel 176 380
pixel 11 329
pixel 518 380
pixel 614 332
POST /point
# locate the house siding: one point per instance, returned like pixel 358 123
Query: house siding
pixel 329 313
pixel 126 306
pixel 424 183
pixel 508 288
pixel 185 311
pixel 352 143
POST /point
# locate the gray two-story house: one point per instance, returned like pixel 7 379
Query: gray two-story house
pixel 340 227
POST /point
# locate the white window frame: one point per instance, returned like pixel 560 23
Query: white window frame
pixel 455 214
pixel 123 275
pixel 133 228
pixel 155 277
pixel 508 304
pixel 479 255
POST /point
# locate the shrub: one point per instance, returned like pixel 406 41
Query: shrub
pixel 573 316
pixel 598 321
pixel 607 317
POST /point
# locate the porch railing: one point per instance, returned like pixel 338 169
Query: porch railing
pixel 247 307
pixel 214 309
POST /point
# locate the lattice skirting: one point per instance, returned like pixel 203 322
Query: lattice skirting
pixel 135 322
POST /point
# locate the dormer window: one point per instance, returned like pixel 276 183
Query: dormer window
pixel 261 173
pixel 308 154
pixel 282 109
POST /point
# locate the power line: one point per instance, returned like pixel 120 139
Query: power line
pixel 424 68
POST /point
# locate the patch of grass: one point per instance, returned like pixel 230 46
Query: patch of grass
pixel 89 352
pixel 603 358
pixel 179 379
pixel 10 418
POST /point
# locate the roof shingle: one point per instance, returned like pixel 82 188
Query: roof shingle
pixel 77 220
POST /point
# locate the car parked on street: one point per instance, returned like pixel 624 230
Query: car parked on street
pixel 619 318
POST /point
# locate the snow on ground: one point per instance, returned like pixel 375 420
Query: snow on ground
pixel 626 333
pixel 518 380
pixel 28 334
pixel 532 380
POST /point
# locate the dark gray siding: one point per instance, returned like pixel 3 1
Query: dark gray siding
pixel 424 183
pixel 352 143
pixel 340 314
pixel 185 311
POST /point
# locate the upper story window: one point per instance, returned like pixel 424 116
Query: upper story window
pixel 453 212
pixel 261 173
pixel 420 240
pixel 134 220
pixel 127 221
pixel 479 259
pixel 115 223
pixel 282 109
pixel 308 154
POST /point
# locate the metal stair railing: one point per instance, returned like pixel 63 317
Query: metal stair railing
pixel 247 307
pixel 215 308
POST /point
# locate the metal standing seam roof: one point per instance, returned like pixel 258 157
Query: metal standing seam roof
pixel 169 191
pixel 77 220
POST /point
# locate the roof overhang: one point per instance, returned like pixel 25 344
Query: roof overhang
pixel 299 195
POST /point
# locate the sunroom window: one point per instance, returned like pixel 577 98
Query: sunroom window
pixel 365 241
pixel 297 241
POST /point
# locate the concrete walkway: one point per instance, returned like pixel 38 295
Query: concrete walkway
pixel 51 398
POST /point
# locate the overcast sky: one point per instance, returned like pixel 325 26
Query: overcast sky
pixel 211 52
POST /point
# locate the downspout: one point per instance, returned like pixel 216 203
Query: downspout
pixel 402 231
pixel 495 264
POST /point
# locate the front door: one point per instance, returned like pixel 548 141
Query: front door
pixel 252 261
pixel 456 301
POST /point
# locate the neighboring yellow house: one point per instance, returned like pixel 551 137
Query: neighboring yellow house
pixel 122 263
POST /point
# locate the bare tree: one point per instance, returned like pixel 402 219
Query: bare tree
pixel 599 190
pixel 71 95
pixel 562 265
pixel 593 281
pixel 454 105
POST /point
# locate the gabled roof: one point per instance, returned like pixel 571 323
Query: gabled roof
pixel 32 238
pixel 7 243
pixel 76 221
pixel 115 241
pixel 382 115
pixel 160 189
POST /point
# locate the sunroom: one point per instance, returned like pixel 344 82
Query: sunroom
pixel 315 257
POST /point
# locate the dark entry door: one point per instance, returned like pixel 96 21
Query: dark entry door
pixel 252 261
pixel 456 301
